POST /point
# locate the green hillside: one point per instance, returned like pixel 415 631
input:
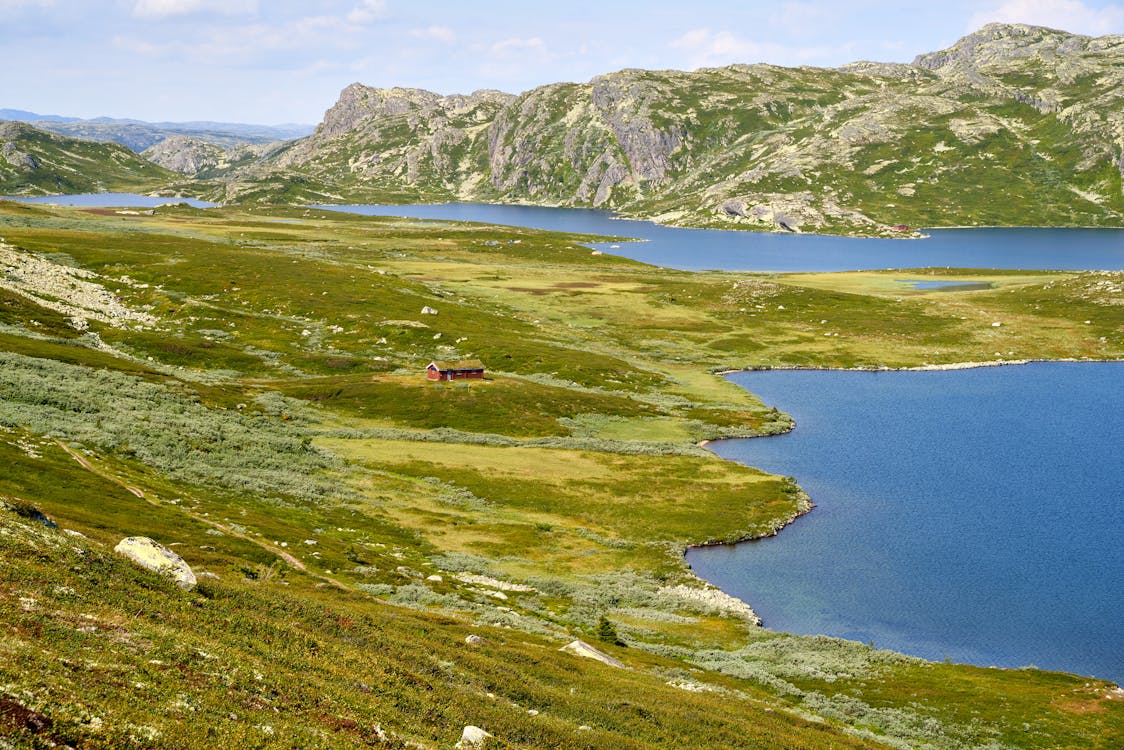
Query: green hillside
pixel 35 162
pixel 245 385
pixel 1013 125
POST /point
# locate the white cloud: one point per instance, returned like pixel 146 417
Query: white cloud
pixel 1068 15
pixel 367 11
pixel 533 49
pixel 706 48
pixel 442 34
pixel 164 8
pixel 801 16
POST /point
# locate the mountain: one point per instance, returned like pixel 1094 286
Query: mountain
pixel 24 116
pixel 36 162
pixel 1011 125
pixel 139 135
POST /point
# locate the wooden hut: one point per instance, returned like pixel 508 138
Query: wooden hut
pixel 466 369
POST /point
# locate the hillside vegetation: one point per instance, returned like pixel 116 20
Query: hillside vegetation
pixel 245 385
pixel 1013 125
pixel 35 162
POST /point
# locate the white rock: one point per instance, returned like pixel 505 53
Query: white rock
pixel 996 324
pixel 472 737
pixel 435 578
pixel 158 558
pixel 474 640
pixel 427 310
pixel 581 648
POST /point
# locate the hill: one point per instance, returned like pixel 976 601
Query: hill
pixel 138 135
pixel 1012 125
pixel 36 162
pixel 246 386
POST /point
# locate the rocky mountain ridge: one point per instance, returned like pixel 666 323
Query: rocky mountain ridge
pixel 139 135
pixel 1011 125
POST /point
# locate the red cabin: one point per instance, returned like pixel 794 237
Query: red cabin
pixel 900 227
pixel 467 369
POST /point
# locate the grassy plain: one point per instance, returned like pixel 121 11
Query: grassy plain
pixel 272 422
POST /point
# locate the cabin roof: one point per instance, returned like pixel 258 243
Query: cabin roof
pixel 464 364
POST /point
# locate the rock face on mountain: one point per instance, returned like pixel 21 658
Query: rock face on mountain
pixel 1011 125
pixel 185 155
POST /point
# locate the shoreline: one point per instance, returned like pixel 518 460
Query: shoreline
pixel 947 367
pixel 805 505
pixel 916 234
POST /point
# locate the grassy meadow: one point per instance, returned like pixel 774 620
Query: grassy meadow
pixel 264 412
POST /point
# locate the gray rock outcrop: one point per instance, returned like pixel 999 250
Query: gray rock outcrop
pixel 583 649
pixel 156 557
pixel 185 155
pixel 472 737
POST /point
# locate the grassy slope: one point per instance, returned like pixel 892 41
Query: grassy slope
pixel 50 164
pixel 605 387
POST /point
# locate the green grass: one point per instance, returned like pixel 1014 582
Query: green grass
pixel 276 427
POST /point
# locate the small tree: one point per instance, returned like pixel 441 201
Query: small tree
pixel 607 633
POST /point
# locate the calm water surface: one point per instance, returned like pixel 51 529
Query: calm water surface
pixel 110 200
pixel 976 515
pixel 695 249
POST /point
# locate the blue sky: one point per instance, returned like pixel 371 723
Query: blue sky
pixel 273 61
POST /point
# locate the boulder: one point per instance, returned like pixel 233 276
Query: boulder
pixel 157 558
pixel 474 640
pixel 581 648
pixel 472 737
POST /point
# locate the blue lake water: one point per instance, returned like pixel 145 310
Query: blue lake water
pixel 946 285
pixel 109 200
pixel 695 249
pixel 976 515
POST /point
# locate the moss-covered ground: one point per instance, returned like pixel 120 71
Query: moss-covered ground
pixel 273 425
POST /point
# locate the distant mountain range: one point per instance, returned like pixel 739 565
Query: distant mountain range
pixel 1012 125
pixel 139 135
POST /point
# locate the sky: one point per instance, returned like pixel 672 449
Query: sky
pixel 285 61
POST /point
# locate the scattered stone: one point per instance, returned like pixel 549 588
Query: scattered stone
pixel 710 599
pixel 581 648
pixel 157 558
pixel 435 578
pixel 494 583
pixel 474 640
pixel 427 310
pixel 472 737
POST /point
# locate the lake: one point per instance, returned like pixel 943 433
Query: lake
pixel 697 249
pixel 975 515
pixel 109 200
